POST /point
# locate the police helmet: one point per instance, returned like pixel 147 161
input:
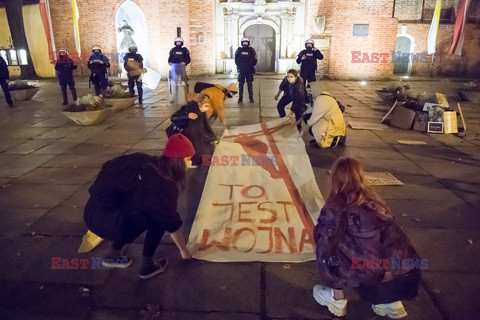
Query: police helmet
pixel 132 48
pixel 96 47
pixel 178 39
pixel 245 40
pixel 309 41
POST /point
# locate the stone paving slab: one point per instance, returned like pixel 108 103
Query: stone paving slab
pixel 192 285
pixel 457 293
pixel 438 214
pixel 35 196
pixel 447 250
pixel 14 222
pixel 39 301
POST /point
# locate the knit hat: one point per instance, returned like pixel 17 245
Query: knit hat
pixel 178 146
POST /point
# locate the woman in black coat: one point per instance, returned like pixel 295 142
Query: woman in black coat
pixel 293 92
pixel 136 193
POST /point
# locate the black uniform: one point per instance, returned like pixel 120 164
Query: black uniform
pixel 245 59
pixel 4 76
pixel 134 78
pixel 309 64
pixel 64 69
pixel 179 54
pixel 98 64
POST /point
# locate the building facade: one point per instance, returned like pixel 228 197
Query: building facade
pixel 356 37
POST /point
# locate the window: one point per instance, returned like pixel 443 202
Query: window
pixel 3 53
pixel 13 57
pixel 23 57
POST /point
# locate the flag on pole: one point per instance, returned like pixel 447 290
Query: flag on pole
pixel 459 33
pixel 47 25
pixel 76 29
pixel 432 35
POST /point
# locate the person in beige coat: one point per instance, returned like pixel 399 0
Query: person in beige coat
pixel 326 122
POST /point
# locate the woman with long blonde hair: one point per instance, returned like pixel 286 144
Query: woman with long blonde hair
pixel 359 246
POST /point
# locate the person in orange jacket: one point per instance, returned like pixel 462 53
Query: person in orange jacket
pixel 212 97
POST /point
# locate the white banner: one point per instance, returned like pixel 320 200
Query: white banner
pixel 260 201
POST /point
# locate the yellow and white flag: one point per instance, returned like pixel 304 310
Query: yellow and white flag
pixel 260 201
pixel 76 30
pixel 432 35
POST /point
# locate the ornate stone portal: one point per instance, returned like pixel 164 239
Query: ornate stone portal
pixel 285 17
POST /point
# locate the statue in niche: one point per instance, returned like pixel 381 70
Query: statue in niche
pixel 320 24
pixel 127 36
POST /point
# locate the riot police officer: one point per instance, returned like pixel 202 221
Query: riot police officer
pixel 133 64
pixel 245 59
pixel 308 59
pixel 64 70
pixel 179 54
pixel 98 64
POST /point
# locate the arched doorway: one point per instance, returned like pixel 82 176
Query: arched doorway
pixel 262 39
pixel 131 28
pixel 404 45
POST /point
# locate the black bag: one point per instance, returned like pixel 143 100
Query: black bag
pixel 200 86
pixel 340 105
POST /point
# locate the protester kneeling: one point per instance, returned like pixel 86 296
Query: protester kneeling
pixel 326 122
pixel 137 193
pixel 359 246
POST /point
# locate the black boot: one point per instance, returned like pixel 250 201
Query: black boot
pixel 65 97
pixel 74 94
pixel 250 91
pixel 240 92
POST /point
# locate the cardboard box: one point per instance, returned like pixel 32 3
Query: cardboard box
pixel 402 118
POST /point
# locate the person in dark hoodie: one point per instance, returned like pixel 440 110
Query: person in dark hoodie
pixel 191 121
pixel 245 59
pixel 293 92
pixel 64 70
pixel 359 246
pixel 98 65
pixel 136 193
pixel 308 60
pixel 133 64
pixel 4 77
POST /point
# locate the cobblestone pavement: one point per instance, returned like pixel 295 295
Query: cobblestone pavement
pixel 47 163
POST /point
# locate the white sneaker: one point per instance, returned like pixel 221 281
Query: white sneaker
pixel 394 310
pixel 324 296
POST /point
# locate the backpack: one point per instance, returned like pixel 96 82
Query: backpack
pixel 340 105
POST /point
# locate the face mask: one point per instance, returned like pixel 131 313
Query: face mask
pixel 133 51
pixel 178 44
pixel 245 44
pixel 204 107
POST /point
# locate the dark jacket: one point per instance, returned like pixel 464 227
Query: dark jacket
pixel 370 235
pixel 246 59
pixel 64 68
pixel 135 56
pixel 198 130
pixel 295 92
pixel 179 54
pixel 311 57
pixel 4 74
pixel 130 189
pixel 95 64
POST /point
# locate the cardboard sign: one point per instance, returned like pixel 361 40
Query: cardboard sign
pixel 260 200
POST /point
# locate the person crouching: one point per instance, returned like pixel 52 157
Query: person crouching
pixel 137 193
pixel 326 122
pixel 355 225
